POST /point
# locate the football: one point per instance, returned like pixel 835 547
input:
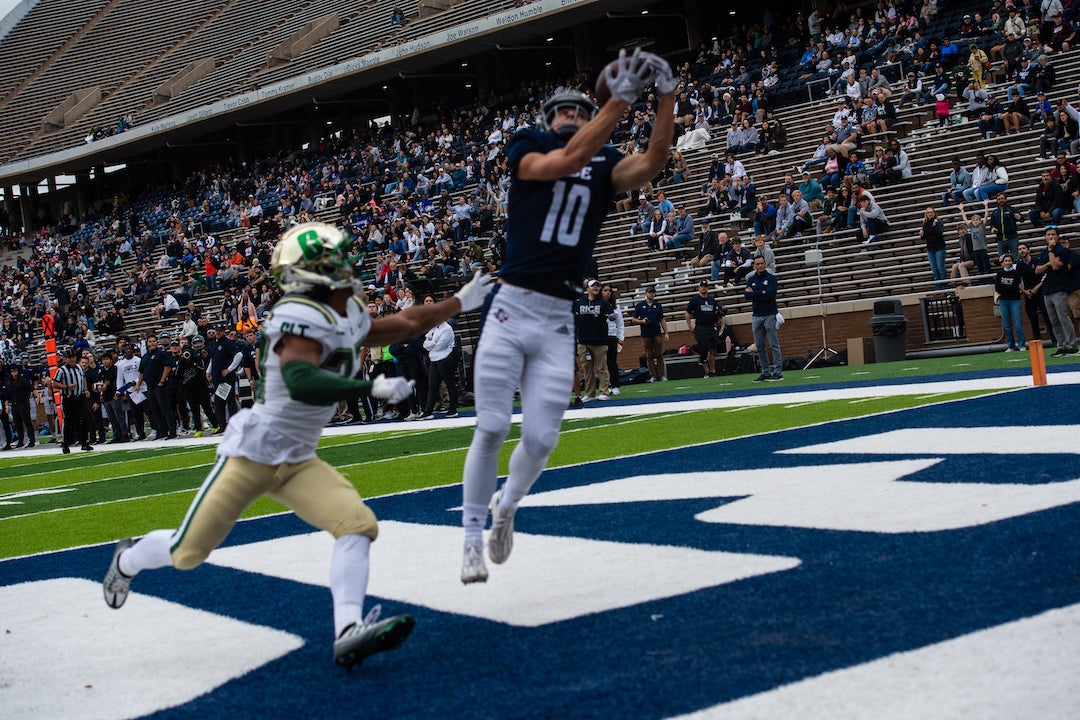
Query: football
pixel 603 94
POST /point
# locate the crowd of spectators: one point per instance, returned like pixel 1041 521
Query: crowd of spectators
pixel 122 125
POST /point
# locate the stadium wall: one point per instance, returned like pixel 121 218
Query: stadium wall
pixel 800 335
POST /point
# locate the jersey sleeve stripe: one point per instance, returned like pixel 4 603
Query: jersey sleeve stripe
pixel 310 303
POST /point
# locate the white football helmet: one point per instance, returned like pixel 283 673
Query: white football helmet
pixel 567 98
pixel 313 255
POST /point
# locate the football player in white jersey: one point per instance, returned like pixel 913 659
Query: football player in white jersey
pixel 310 346
pixel 565 178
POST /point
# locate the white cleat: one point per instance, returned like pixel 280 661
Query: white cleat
pixel 472 566
pixel 501 539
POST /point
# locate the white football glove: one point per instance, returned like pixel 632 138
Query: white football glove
pixel 392 390
pixel 472 294
pixel 628 76
pixel 663 78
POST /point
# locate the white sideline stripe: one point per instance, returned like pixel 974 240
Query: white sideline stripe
pixel 23 476
pixel 31 493
pixel 70 487
pixel 96 504
pixel 67 655
pixel 1022 669
pixel 549 579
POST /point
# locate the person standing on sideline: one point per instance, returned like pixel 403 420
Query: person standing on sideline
pixel 1007 286
pixel 128 382
pixel 71 383
pixel 564 178
pixel 761 287
pixel 591 315
pixel 1054 262
pixel 1031 289
pixel 703 314
pixel 225 359
pixel 616 329
pixel 114 406
pixel 313 336
pixel 154 371
pixel 19 389
pixel 439 343
pixel 649 316
pixel 194 390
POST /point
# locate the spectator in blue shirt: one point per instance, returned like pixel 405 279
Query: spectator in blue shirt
pixel 950 54
pixel 664 205
pixel 683 230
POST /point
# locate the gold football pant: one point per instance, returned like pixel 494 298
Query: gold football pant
pixel 315 491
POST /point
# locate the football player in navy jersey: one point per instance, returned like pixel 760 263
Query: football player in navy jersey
pixel 565 177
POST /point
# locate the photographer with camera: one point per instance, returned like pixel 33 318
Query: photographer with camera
pixel 194 390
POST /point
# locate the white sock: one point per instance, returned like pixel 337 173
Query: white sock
pixel 525 468
pixel 150 553
pixel 474 518
pixel 478 481
pixel 348 579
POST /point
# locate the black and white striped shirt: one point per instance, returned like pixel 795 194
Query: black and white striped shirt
pixel 70 375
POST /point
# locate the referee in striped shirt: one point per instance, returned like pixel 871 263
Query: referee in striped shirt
pixel 71 383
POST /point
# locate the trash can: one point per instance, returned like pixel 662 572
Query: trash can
pixel 889 327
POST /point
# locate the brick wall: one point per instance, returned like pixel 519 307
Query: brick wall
pixel 801 336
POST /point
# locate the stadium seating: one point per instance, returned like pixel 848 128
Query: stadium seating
pixel 895 264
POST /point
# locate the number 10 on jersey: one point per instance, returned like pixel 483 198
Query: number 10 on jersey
pixel 569 203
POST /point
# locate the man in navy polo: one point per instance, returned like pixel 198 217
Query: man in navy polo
pixel 761 286
pixel 649 316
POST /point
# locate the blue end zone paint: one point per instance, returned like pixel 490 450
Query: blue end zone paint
pixel 856 597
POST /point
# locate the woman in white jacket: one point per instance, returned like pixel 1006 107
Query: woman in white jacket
pixel 442 367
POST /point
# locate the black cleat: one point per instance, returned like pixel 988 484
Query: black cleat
pixel 117 585
pixel 361 640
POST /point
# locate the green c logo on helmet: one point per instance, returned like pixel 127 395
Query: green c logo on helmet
pixel 310 244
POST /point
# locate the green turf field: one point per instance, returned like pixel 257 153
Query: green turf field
pixel 61 501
